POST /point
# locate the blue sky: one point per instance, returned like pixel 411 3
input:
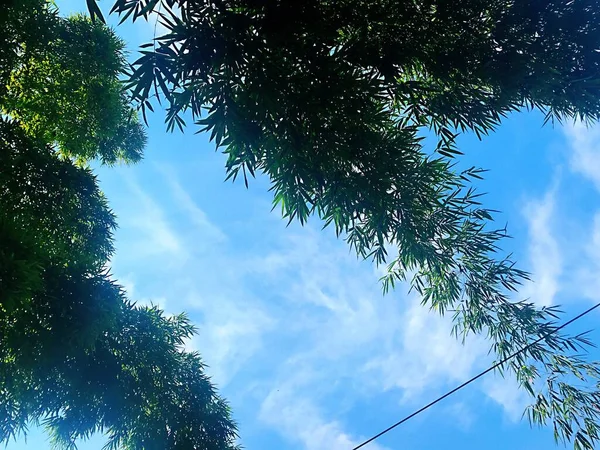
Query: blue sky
pixel 295 330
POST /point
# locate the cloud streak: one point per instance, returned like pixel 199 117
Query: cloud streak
pixel 545 257
pixel 584 143
pixel 288 318
pixel 585 156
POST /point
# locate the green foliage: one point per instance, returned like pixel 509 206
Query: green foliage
pixel 56 239
pixel 58 203
pixel 77 64
pixel 331 99
pixel 75 355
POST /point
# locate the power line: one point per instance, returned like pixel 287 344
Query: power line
pixel 448 394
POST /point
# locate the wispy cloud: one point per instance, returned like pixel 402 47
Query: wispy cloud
pixel 128 284
pixel 585 145
pixel 298 417
pixel 231 334
pixel 353 336
pixel 155 235
pixel 425 356
pixel 195 215
pixel 589 275
pixel 173 256
pixel 545 258
pixel 505 391
pixel 288 326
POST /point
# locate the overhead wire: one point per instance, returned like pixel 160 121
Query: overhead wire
pixel 479 375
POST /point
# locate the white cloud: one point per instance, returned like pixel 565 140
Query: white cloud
pixel 293 323
pixel 548 259
pixel 128 284
pixel 505 392
pixel 297 416
pixel 585 145
pixel 425 356
pixel 544 254
pixel 585 160
pixel 230 335
pixel 156 235
pixel 180 261
pixel 461 414
pixel 355 337
pixel 197 217
pixel 588 274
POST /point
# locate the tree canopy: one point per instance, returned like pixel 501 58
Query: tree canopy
pixel 77 64
pixel 331 100
pixel 75 354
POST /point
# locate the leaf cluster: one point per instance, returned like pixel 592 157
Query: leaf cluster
pixel 75 355
pixel 78 64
